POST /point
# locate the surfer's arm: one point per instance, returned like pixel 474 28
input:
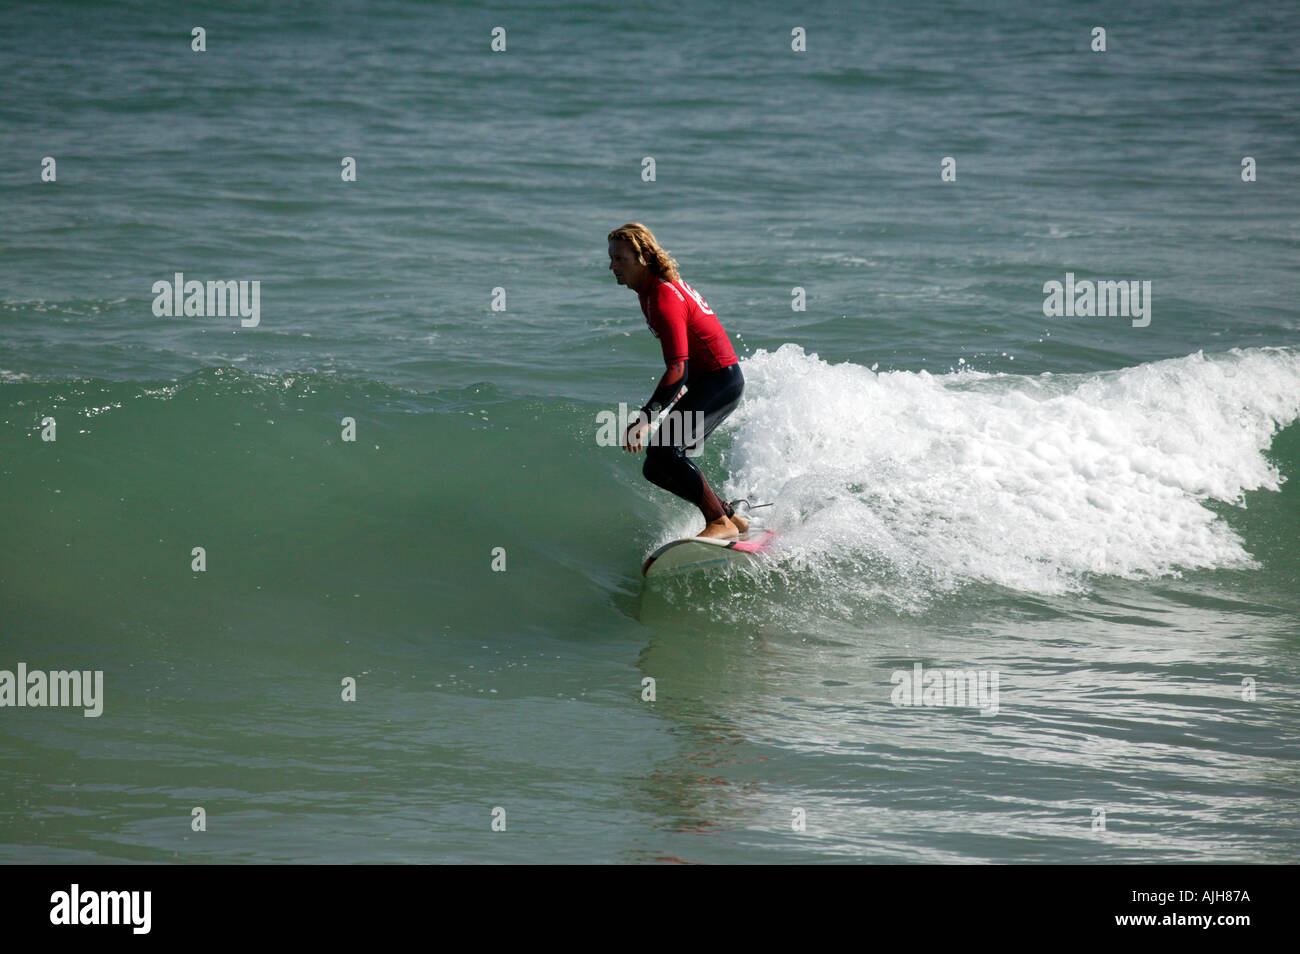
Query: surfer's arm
pixel 670 325
pixel 670 385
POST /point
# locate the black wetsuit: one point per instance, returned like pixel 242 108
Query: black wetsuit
pixel 715 395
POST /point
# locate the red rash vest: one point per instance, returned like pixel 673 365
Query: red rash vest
pixel 686 326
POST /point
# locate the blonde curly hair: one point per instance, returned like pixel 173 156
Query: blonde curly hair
pixel 648 250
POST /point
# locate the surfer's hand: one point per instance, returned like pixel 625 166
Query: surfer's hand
pixel 632 439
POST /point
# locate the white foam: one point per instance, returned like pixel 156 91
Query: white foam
pixel 924 482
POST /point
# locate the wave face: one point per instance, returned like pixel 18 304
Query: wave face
pixel 891 490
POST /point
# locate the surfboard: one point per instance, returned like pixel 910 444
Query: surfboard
pixel 703 553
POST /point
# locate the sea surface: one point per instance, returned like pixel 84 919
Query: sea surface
pixel 1095 518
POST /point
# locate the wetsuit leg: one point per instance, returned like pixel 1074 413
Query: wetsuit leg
pixel 714 395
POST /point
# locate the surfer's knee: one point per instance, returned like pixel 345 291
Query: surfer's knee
pixel 667 468
pixel 655 464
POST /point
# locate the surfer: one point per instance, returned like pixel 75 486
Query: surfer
pixel 695 347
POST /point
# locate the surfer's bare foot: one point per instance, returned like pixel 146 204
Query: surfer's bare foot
pixel 720 529
pixel 740 522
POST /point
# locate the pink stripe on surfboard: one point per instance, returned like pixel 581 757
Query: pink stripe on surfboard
pixel 753 546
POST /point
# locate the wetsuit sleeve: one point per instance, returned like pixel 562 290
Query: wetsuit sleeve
pixel 668 321
pixel 669 385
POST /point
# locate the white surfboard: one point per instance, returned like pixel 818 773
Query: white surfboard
pixel 704 553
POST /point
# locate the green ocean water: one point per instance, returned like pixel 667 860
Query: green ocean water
pixel 1103 515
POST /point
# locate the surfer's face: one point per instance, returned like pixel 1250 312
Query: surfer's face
pixel 623 263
